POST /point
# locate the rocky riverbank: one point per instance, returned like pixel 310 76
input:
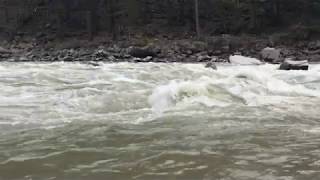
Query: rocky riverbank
pixel 140 49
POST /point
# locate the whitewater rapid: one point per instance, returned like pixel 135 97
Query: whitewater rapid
pixel 61 92
pixel 66 92
pixel 153 120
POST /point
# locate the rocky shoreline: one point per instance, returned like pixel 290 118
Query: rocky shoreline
pixel 210 49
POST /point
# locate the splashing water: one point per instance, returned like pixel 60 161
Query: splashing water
pixel 158 121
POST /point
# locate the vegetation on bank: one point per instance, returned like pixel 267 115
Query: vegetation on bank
pixel 152 17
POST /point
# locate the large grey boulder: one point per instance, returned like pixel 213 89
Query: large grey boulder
pixel 242 60
pixel 272 55
pixel 289 64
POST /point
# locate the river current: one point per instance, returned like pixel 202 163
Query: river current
pixel 72 121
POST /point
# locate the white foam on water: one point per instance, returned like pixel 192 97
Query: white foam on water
pixel 201 91
pixel 256 85
pixel 63 92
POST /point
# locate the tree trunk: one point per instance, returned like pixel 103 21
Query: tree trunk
pixel 196 6
pixel 133 12
pixel 253 18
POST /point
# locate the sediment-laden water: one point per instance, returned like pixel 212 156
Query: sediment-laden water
pixel 69 121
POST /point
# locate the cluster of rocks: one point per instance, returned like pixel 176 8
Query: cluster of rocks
pixel 182 51
pixel 5 53
pixel 292 61
pixel 212 50
pixel 110 54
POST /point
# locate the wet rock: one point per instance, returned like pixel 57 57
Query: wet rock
pixel 312 52
pixel 83 53
pixel 147 59
pixel 5 51
pixel 211 65
pixel 314 45
pixel 242 60
pixel 114 49
pixel 203 58
pixel 23 58
pixel 112 58
pixel 25 46
pixel 4 56
pixel 141 52
pixel 290 64
pixel 136 59
pixel 68 59
pixel 92 63
pixel 217 53
pixel 314 58
pixel 271 55
pixel 101 53
pixel 198 46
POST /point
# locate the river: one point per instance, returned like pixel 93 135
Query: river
pixel 73 121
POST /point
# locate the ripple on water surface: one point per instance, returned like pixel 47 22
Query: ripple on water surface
pixel 158 121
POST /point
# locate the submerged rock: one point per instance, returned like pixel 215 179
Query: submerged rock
pixel 271 55
pixel 211 65
pixel 242 60
pixel 289 64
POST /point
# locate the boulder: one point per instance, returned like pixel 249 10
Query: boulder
pixel 242 60
pixel 290 64
pixel 141 52
pixel 271 55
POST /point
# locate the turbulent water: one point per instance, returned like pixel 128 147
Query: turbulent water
pixel 67 121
